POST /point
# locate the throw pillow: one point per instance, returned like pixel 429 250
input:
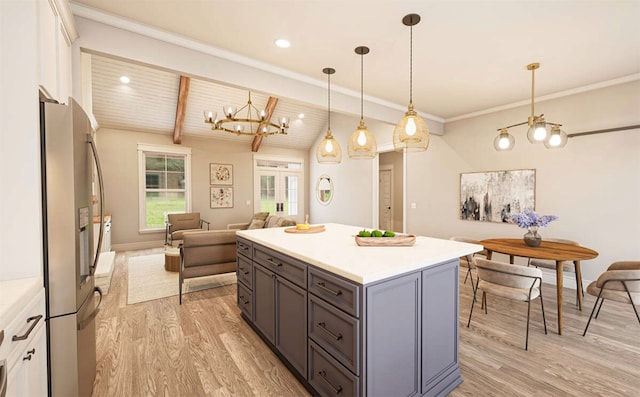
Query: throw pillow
pixel 256 224
pixel 260 216
pixel 288 222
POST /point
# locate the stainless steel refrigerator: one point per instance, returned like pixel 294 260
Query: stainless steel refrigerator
pixel 68 158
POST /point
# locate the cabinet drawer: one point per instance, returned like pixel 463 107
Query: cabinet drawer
pixel 245 271
pixel 342 294
pixel 328 377
pixel 244 247
pixel 336 332
pixel 245 301
pixel 26 323
pixel 283 265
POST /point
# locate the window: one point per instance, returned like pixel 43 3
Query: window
pixel 164 184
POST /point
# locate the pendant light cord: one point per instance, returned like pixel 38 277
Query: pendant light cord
pixel 329 99
pixel 361 86
pixel 411 66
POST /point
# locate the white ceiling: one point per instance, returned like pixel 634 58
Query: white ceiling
pixel 469 56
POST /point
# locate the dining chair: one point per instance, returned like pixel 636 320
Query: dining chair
pixel 568 266
pixel 504 280
pixel 469 261
pixel 621 283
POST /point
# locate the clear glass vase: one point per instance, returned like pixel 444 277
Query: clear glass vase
pixel 532 238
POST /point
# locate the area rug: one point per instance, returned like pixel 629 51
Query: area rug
pixel 148 280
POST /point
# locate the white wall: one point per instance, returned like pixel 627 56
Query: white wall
pixel 593 184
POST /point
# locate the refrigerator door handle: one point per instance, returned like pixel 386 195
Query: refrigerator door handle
pixel 94 150
pixel 84 322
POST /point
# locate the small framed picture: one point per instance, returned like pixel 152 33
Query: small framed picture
pixel 221 197
pixel 221 174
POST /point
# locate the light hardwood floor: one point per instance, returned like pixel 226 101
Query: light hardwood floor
pixel 204 348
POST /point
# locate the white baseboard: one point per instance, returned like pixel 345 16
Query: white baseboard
pixel 138 246
pixel 569 279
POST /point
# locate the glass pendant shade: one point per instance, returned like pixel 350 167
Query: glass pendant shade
pixel 538 132
pixel 557 138
pixel 504 141
pixel 362 144
pixel 329 150
pixel 411 133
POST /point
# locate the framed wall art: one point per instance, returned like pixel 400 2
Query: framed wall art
pixel 496 195
pixel 221 174
pixel 221 197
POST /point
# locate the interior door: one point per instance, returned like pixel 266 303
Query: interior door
pixel 385 205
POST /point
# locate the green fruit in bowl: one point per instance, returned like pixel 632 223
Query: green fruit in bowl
pixel 364 233
pixel 376 233
pixel 388 233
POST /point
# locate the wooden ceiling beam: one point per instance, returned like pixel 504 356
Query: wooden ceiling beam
pixel 181 109
pixel 271 106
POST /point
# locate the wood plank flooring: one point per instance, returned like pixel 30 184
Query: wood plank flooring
pixel 204 348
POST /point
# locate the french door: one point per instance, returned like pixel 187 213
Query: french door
pixel 279 188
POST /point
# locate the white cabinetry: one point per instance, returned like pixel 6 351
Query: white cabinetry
pixel 24 346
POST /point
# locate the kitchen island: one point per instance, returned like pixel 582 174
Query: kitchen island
pixel 351 320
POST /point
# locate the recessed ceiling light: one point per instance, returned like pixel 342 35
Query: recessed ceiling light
pixel 301 116
pixel 282 43
pixel 125 79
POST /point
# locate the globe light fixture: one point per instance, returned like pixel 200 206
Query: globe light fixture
pixel 504 141
pixel 539 129
pixel 329 151
pixel 362 144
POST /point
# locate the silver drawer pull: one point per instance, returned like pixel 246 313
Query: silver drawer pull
pixel 244 302
pixel 35 320
pixel 323 376
pixel 271 261
pixel 323 327
pixel 329 290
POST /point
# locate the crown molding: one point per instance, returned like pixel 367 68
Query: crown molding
pixel 560 94
pixel 63 10
pixel 96 15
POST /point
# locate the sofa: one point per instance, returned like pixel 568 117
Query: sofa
pixel 205 253
pixel 261 220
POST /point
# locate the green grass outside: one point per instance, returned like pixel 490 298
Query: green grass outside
pixel 157 206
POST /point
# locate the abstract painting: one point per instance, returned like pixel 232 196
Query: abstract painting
pixel 221 197
pixel 496 195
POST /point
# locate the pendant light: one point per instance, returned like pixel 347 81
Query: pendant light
pixel 362 144
pixel 329 151
pixel 539 130
pixel 411 132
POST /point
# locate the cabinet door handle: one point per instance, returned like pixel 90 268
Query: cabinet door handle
pixel 329 290
pixel 277 264
pixel 323 327
pixel 244 302
pixel 35 320
pixel 323 376
pixel 32 351
pixel 243 271
pixel 27 357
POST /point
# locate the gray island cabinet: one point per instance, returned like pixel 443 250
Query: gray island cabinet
pixel 350 320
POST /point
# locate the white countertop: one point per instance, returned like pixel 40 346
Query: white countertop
pixel 336 251
pixel 15 295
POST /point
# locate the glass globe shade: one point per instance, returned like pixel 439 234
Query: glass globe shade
pixel 362 144
pixel 411 133
pixel 557 139
pixel 329 150
pixel 504 141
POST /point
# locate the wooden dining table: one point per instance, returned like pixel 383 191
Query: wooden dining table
pixel 558 252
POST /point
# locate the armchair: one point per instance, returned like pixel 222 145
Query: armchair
pixel 178 224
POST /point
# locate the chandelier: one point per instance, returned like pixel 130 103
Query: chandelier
pixel 539 131
pixel 247 120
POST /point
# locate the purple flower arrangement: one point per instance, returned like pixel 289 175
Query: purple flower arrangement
pixel 531 219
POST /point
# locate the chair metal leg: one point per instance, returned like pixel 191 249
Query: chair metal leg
pixel 599 307
pixel 473 301
pixel 526 343
pixel 592 311
pixel 466 276
pixel 484 301
pixel 544 321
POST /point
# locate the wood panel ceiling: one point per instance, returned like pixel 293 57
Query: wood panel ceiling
pixel 148 104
